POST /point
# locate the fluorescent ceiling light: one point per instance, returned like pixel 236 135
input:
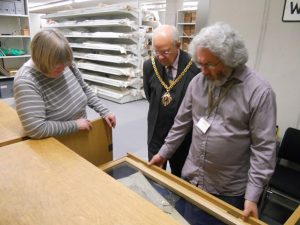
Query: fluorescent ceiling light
pixel 51 5
pixel 81 0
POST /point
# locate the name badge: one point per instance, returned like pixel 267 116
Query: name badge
pixel 203 125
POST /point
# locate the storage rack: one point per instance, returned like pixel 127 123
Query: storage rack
pixel 186 23
pixel 108 44
pixel 14 34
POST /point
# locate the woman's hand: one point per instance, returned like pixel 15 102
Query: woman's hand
pixel 111 120
pixel 83 124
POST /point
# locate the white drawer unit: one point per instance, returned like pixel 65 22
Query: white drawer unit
pixel 109 45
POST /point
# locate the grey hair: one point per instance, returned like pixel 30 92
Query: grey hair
pixel 167 28
pixel 222 41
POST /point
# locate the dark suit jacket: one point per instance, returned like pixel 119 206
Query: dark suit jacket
pixel 154 90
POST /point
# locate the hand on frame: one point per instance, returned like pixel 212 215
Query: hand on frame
pixel 83 124
pixel 111 120
pixel 157 160
pixel 250 209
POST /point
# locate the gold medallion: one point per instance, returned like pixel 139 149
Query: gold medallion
pixel 166 98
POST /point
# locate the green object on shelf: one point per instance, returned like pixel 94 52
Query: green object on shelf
pixel 11 52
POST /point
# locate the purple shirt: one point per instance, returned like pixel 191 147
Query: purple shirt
pixel 237 153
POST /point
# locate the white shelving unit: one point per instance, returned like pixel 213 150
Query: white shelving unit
pixel 186 23
pixel 108 44
pixel 14 34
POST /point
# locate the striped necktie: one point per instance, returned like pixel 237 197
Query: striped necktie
pixel 169 72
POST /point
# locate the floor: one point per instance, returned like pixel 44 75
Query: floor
pixel 130 134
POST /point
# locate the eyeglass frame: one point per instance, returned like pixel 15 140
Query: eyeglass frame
pixel 209 65
pixel 164 53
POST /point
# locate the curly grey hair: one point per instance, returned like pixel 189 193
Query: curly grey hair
pixel 222 41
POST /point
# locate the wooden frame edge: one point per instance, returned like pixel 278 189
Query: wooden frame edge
pixel 209 203
pixel 294 218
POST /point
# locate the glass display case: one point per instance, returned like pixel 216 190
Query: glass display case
pixel 172 195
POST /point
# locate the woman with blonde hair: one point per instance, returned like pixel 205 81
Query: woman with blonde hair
pixel 50 94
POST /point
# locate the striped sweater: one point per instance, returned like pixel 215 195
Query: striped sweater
pixel 50 106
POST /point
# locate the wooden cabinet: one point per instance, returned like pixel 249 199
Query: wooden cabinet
pixel 11 128
pixel 44 182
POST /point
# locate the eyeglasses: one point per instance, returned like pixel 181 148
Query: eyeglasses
pixel 209 65
pixel 164 53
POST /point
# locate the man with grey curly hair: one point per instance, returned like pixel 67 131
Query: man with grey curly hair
pixel 233 114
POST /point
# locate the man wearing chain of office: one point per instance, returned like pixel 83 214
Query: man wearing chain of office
pixel 166 76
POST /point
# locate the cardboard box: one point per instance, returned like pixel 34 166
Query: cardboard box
pixel 25 31
pixel 189 30
pixel 187 18
pixel 186 30
pixel 185 44
pixel 192 30
pixel 7 7
pixel 193 17
pixel 19 7
pixel 6 88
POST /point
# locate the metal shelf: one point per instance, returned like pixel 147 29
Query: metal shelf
pixel 93 12
pixel 107 43
pixel 14 36
pixel 13 57
pixel 14 15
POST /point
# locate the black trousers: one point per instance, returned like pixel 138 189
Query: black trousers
pixel 178 159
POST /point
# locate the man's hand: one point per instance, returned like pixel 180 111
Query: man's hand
pixel 111 120
pixel 83 124
pixel 250 209
pixel 157 160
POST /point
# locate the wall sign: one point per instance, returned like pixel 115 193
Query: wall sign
pixel 291 11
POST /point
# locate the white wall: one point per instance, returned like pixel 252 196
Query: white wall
pixel 280 62
pixel 274 49
pixel 243 15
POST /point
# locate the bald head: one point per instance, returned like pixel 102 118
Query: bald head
pixel 165 32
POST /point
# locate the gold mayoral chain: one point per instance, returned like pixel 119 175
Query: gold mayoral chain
pixel 167 98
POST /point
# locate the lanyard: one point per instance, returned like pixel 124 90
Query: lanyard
pixel 212 104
